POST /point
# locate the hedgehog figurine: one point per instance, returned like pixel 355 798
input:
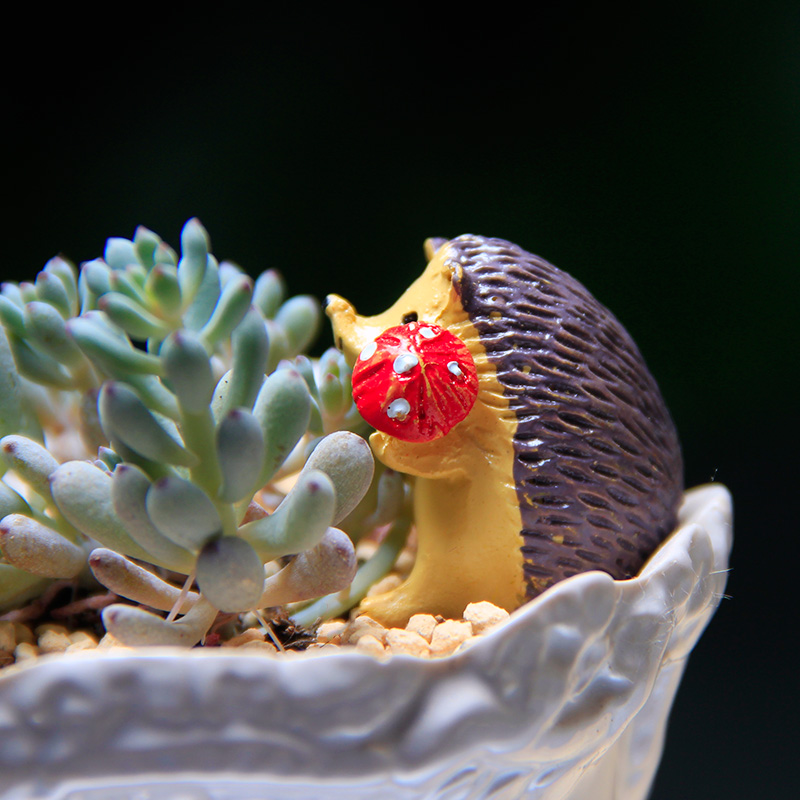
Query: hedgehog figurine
pixel 541 445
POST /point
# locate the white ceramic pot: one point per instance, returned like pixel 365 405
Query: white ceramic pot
pixel 568 699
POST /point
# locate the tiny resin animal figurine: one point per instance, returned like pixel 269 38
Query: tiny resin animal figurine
pixel 540 442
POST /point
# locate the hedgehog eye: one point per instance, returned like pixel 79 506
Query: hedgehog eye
pixel 410 317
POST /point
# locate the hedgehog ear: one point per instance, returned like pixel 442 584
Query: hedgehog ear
pixel 432 245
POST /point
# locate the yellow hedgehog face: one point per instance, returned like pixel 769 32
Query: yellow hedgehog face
pixel 431 298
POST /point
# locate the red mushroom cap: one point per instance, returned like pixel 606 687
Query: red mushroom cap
pixel 415 382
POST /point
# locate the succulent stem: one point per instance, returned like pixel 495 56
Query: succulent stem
pixel 338 603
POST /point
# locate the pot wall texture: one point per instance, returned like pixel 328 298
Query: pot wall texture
pixel 568 700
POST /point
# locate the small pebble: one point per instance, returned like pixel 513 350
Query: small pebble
pixel 83 637
pixel 384 585
pixel 23 651
pixel 364 626
pixel 407 642
pixel 370 644
pixel 247 637
pixel 254 644
pixel 405 561
pixel 8 637
pixel 24 633
pixel 365 549
pixel 448 635
pixel 331 631
pixel 53 641
pixel 82 644
pixel 423 624
pixel 109 640
pixel 484 616
pixel 39 630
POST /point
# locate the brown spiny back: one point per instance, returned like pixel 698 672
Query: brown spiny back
pixel 597 466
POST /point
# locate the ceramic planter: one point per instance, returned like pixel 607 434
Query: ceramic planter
pixel 568 699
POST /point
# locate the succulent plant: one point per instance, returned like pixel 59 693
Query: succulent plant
pixel 155 409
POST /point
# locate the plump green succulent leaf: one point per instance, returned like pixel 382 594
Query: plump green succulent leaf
pixel 391 495
pixel 126 418
pixel 37 366
pixel 50 289
pixel 283 409
pixel 12 415
pixel 145 243
pixel 31 461
pixel 299 522
pixel 18 586
pixel 332 361
pixel 300 318
pixel 380 505
pixel 183 512
pixel 347 460
pixel 108 458
pixel 194 258
pixel 232 305
pixel 12 316
pixel 119 253
pixel 250 355
pixel 188 368
pixel 153 469
pixel 138 275
pixel 230 574
pixel 12 293
pixel 198 312
pixel 28 291
pixel 240 454
pixel 121 576
pixel 129 487
pixel 279 348
pixel 131 316
pixel 38 549
pixel 65 272
pixel 48 329
pixel 114 355
pixel 305 367
pixel 96 276
pixel 136 627
pixel 219 399
pixel 155 395
pixel 82 493
pixel 129 283
pixel 165 255
pixel 333 400
pixel 228 271
pixel 269 293
pixel 327 567
pixel 163 288
pixel 11 501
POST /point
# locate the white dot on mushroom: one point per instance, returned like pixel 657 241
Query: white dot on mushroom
pixel 398 409
pixel 454 369
pixel 404 362
pixel 368 351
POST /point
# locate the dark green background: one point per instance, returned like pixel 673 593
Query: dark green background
pixel 652 152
